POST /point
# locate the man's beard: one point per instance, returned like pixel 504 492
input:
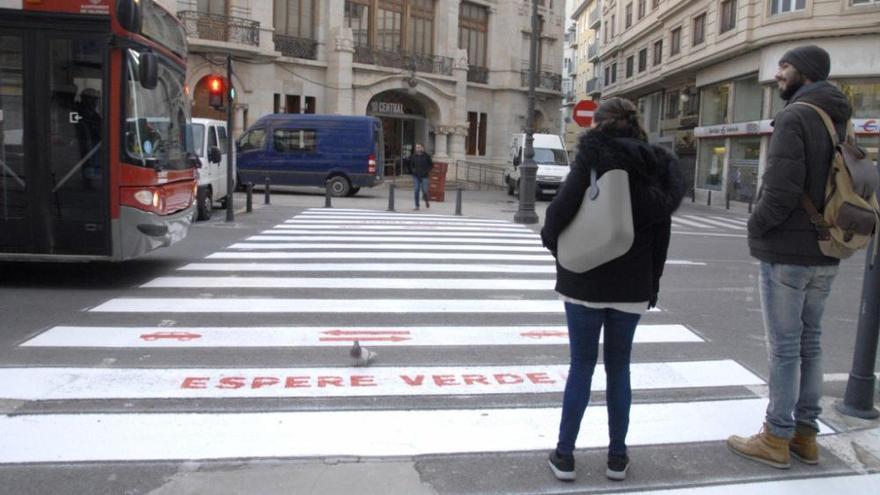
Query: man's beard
pixel 794 84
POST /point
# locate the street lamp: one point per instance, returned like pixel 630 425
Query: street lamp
pixel 528 170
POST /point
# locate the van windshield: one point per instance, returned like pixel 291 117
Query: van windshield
pixel 549 156
pixel 198 131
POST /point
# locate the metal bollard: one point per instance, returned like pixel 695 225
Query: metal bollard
pixel 709 199
pixel 694 194
pixel 327 201
pixel 458 201
pixel 249 205
pixel 267 199
pixel 750 204
pixel 390 197
pixel 728 201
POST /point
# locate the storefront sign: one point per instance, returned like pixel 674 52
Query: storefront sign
pixel 866 126
pixel 383 107
pixel 738 129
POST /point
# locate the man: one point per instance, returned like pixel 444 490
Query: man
pixel 795 277
pixel 420 164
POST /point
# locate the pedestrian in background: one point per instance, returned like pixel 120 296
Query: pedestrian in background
pixel 617 293
pixel 794 276
pixel 420 165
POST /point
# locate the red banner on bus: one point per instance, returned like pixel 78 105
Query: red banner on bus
pixel 101 7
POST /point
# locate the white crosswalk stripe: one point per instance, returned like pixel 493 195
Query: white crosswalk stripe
pixel 403 274
pixel 709 225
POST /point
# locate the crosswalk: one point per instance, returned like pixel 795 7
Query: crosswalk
pixel 322 280
pixel 709 225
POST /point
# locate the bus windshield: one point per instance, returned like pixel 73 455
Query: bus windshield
pixel 155 119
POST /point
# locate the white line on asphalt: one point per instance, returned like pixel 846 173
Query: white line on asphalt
pixel 688 223
pixel 710 234
pixel 399 218
pixel 408 233
pixel 377 255
pixel 383 228
pixel 383 214
pixel 392 223
pixel 405 336
pixel 726 225
pixel 401 246
pixel 813 485
pixel 499 284
pixel 735 221
pixel 167 436
pixel 369 267
pixel 390 238
pixel 329 306
pixel 33 383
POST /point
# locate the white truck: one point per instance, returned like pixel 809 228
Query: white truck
pixel 551 158
pixel 210 143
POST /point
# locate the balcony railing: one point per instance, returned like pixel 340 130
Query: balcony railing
pixel 594 86
pixel 478 74
pixel 545 80
pixel 593 51
pixel 220 27
pixel 291 46
pixel 402 60
pixel 595 18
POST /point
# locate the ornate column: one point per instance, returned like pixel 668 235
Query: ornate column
pixel 340 75
pixel 459 133
pixel 441 142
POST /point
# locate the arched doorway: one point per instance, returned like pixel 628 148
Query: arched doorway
pixel 201 108
pixel 404 123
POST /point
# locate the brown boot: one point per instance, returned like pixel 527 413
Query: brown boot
pixel 763 447
pixel 803 445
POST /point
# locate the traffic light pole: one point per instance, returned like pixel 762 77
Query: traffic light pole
pixel 528 170
pixel 230 165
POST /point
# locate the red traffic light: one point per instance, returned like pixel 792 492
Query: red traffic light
pixel 215 92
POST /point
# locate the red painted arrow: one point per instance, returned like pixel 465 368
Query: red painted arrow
pixel 392 338
pixel 366 332
pixel 170 336
pixel 540 334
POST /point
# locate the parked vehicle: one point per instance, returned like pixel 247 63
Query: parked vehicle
pixel 210 145
pixel 551 158
pixel 339 152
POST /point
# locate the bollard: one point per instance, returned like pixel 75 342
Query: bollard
pixel 327 201
pixel 750 204
pixel 390 197
pixel 267 199
pixel 249 205
pixel 458 201
pixel 709 199
pixel 694 194
pixel 727 207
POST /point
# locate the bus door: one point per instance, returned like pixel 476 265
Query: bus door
pixel 54 187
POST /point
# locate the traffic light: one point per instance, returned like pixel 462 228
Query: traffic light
pixel 215 92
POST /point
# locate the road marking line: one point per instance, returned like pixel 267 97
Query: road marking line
pixel 167 436
pixel 369 267
pixel 347 223
pixel 389 238
pixel 381 245
pixel 735 221
pixel 33 383
pixel 499 284
pixel 714 222
pixel 382 228
pixel 689 223
pixel 170 337
pixel 387 255
pixel 407 233
pixel 377 214
pixel 710 234
pixel 330 306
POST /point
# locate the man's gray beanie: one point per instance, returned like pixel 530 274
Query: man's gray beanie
pixel 811 61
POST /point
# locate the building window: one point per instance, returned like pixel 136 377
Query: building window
pixel 655 4
pixel 783 6
pixel 475 144
pixel 613 24
pixel 864 96
pixel 628 16
pixel 699 29
pixel 357 17
pixel 605 30
pixel 295 18
pixel 643 6
pixel 212 7
pixel 748 100
pixel 714 107
pixel 776 101
pixel 421 27
pixel 728 15
pixel 864 2
pixel 473 28
pixel 607 76
pixel 629 67
pixel 675 42
pixel 643 59
pixel 742 178
pixel 672 98
pixel 389 25
pixel 711 168
pixel 658 52
pixel 614 73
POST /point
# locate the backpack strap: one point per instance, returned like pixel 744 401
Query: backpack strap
pixel 816 218
pixel 829 125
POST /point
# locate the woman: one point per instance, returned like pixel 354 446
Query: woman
pixel 617 293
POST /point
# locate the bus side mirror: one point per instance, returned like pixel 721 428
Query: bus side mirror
pixel 148 70
pixel 128 13
pixel 214 155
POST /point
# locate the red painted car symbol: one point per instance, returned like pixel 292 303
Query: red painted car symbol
pixel 182 336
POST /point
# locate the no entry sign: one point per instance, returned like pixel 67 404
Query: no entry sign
pixel 583 113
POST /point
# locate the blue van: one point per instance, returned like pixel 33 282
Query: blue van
pixel 340 152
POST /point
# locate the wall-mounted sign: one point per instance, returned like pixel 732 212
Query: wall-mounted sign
pixel 387 107
pixel 757 127
pixel 866 126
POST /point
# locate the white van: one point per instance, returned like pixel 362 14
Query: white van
pixel 210 144
pixel 551 158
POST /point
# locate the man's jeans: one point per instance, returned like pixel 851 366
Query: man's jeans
pixel 584 326
pixel 793 299
pixel 421 185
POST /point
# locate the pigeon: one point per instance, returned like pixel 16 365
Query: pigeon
pixel 361 355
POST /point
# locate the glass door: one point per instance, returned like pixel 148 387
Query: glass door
pixel 14 228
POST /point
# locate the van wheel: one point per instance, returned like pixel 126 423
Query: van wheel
pixel 339 186
pixel 354 190
pixel 205 204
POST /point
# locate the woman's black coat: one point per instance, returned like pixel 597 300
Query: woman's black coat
pixel 656 187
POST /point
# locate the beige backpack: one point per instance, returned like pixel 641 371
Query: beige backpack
pixel 851 214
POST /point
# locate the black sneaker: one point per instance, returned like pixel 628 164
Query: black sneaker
pixel 562 466
pixel 617 466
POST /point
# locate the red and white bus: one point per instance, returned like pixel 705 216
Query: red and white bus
pixel 95 163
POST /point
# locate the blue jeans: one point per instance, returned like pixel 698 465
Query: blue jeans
pixel 793 299
pixel 421 184
pixel 584 326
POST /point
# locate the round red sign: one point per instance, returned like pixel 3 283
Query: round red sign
pixel 583 113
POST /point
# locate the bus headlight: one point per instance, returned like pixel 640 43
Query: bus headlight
pixel 146 198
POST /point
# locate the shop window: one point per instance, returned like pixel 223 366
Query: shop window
pixel 699 29
pixel 643 59
pixel 728 15
pixel 784 6
pixel 864 97
pixel 675 42
pixel 714 104
pixel 672 110
pixel 776 101
pixel 690 100
pixel 748 100
pixel 871 144
pixel 745 153
pixel 710 170
pixel 658 52
pixel 475 144
pixel 656 102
